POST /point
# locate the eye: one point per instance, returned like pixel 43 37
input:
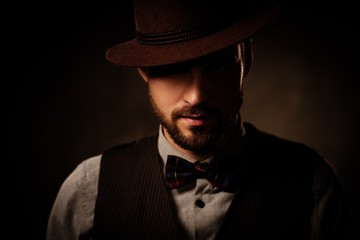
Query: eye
pixel 165 71
pixel 222 64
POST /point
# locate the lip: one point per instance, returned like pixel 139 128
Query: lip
pixel 196 121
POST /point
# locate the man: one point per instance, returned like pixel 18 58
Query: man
pixel 205 174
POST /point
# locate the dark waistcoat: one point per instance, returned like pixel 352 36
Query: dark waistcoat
pixel 274 200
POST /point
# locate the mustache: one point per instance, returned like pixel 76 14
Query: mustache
pixel 191 111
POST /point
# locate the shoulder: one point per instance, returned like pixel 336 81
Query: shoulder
pixel 276 144
pixel 289 159
pixel 260 138
pixel 281 153
pixel 131 149
pixel 85 174
pixel 75 201
pixel 84 178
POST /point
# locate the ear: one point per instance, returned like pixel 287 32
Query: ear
pixel 142 73
pixel 248 56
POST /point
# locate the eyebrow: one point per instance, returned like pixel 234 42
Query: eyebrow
pixel 228 55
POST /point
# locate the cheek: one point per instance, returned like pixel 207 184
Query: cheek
pixel 233 80
pixel 226 96
pixel 228 88
pixel 227 80
pixel 164 96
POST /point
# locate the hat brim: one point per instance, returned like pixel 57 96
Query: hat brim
pixel 134 54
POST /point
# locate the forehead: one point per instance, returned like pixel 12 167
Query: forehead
pixel 223 55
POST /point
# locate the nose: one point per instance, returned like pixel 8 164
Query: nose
pixel 197 89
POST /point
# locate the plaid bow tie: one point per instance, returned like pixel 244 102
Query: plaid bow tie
pixel 179 171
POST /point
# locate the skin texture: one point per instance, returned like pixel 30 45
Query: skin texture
pixel 197 103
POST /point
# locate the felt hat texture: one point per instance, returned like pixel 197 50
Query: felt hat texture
pixel 175 31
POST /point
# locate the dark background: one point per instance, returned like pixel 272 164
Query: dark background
pixel 70 103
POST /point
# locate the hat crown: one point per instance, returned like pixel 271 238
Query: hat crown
pixel 175 31
pixel 159 16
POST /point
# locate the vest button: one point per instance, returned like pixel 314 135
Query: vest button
pixel 199 203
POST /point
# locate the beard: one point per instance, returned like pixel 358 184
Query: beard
pixel 202 140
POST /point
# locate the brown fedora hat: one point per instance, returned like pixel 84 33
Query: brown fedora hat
pixel 174 31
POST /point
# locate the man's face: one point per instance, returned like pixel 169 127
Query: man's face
pixel 197 103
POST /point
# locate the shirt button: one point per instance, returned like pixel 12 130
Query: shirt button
pixel 199 203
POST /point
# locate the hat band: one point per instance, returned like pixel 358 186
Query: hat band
pixel 180 35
